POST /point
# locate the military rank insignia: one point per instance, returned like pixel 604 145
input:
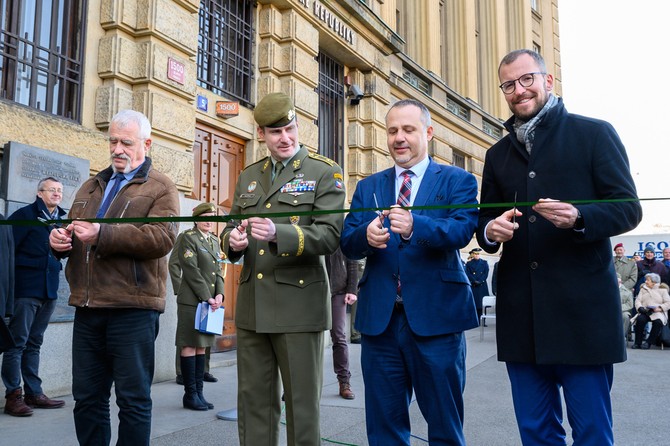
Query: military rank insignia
pixel 296 164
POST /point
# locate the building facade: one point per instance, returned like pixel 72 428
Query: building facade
pixel 197 67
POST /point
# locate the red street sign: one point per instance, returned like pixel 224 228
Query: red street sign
pixel 227 109
pixel 175 71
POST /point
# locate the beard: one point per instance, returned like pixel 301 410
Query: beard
pixel 124 157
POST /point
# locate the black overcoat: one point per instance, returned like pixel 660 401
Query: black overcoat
pixel 558 301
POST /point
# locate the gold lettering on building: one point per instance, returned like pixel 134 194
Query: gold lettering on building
pixel 330 20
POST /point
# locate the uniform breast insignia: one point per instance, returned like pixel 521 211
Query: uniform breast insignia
pixel 188 254
pixel 299 175
pixel 294 219
pixel 243 196
pixel 316 156
pixel 252 186
pixel 295 187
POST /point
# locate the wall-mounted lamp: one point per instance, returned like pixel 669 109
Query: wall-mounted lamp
pixel 355 93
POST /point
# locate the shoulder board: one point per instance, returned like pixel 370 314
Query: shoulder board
pixel 316 156
pixel 262 160
pixel 189 231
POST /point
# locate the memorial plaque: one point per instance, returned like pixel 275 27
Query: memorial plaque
pixel 23 167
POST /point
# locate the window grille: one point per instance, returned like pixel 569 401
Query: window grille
pixel 416 81
pixel 224 63
pixel 458 160
pixel 458 109
pixel 41 52
pixel 331 108
pixel 491 130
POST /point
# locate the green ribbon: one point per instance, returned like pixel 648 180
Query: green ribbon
pixel 227 218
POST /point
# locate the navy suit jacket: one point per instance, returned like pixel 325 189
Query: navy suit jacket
pixel 37 270
pixel 435 289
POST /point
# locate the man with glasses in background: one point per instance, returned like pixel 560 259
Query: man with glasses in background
pixel 117 274
pixel 558 305
pixel 36 278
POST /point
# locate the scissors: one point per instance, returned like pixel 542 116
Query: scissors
pixel 236 223
pixel 54 225
pixel 514 214
pixel 377 211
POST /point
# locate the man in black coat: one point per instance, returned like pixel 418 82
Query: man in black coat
pixel 558 307
pixel 6 284
pixel 37 274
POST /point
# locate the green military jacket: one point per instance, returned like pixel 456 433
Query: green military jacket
pixel 200 263
pixel 284 285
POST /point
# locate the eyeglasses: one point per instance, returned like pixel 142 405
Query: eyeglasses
pixel 124 142
pixel 525 81
pixel 52 190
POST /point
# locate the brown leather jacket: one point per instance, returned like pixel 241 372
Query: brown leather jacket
pixel 127 267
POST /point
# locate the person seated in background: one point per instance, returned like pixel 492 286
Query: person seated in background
pixel 626 305
pixel 652 304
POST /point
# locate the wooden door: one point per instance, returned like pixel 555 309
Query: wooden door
pixel 219 159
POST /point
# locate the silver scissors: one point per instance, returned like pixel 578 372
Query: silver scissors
pixel 377 211
pixel 514 214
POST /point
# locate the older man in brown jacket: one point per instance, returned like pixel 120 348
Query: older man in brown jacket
pixel 117 274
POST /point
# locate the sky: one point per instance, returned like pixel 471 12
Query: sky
pixel 614 62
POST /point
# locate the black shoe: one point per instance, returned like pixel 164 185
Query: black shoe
pixel 210 378
pixel 645 345
pixel 191 401
pixel 635 346
pixel 179 380
pixel 355 340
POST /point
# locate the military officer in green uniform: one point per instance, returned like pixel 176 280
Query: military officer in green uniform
pixel 283 303
pixel 201 281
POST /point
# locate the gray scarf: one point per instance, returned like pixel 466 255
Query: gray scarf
pixel 525 130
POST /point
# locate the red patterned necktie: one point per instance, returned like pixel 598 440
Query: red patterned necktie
pixel 403 200
pixel 405 189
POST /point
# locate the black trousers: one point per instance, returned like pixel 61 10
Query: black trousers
pixel 656 327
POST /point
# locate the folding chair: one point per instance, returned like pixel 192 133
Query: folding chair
pixel 488 302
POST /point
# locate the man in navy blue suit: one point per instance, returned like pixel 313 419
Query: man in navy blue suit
pixel 415 299
pixel 36 277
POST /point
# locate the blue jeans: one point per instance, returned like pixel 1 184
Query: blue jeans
pixel 113 346
pixel 30 321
